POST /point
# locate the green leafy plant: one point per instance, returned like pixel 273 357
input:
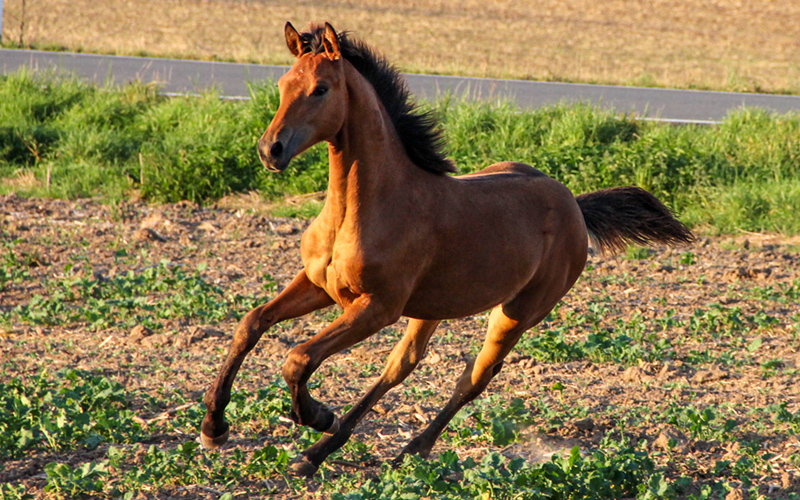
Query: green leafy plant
pixel 704 424
pixel 11 492
pixel 86 410
pixel 781 415
pixel 688 258
pixel 162 291
pixel 66 482
pixel 598 475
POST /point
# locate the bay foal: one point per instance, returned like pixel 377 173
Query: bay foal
pixel 398 236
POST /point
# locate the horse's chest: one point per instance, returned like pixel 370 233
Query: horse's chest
pixel 334 264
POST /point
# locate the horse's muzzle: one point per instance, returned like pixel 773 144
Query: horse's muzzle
pixel 273 155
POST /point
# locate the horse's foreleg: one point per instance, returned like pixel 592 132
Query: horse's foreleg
pixel 401 362
pixel 502 335
pixel 299 298
pixel 362 318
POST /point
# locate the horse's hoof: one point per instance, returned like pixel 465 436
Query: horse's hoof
pixel 398 460
pixel 334 427
pixel 213 443
pixel 302 467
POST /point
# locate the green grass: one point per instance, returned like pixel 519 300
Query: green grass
pixel 157 292
pixel 90 141
pixel 63 138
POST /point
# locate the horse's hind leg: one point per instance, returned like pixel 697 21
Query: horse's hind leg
pixel 299 298
pixel 401 362
pixel 503 333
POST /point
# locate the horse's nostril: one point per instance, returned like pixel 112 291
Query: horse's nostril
pixel 276 150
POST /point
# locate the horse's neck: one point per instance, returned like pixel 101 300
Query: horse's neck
pixel 367 159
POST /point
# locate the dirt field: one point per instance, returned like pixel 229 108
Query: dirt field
pixel 726 44
pixel 719 330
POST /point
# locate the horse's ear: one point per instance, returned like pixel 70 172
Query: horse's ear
pixel 331 42
pixel 293 40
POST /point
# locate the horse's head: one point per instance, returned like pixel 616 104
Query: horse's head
pixel 313 100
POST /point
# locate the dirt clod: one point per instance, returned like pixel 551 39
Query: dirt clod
pixel 671 439
pixel 712 375
pixel 148 234
pixel 139 332
pixel 735 494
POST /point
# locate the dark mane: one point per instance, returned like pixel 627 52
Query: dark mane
pixel 419 131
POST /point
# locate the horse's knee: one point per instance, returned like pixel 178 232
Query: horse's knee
pixel 297 368
pixel 251 327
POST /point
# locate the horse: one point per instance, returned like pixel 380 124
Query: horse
pixel 398 236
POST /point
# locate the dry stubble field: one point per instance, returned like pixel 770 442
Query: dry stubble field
pixel 741 45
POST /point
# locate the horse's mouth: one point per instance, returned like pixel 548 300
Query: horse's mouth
pixel 274 167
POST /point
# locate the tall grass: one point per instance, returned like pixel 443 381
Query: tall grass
pixel 743 174
pixel 78 140
pixel 63 138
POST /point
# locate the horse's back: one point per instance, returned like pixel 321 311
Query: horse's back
pixel 519 190
pixel 497 232
pixel 505 167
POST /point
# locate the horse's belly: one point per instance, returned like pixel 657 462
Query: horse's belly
pixel 430 306
pixel 473 285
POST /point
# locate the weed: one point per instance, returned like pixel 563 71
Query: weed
pixel 550 346
pixel 87 410
pixel 634 252
pixel 781 415
pixel 268 461
pixel 717 320
pixel 66 482
pixel 688 258
pixel 703 424
pixel 304 210
pixel 501 423
pixel 599 475
pixel 13 269
pixel 11 492
pixel 157 292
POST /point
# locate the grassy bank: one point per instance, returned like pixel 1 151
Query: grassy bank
pixel 63 138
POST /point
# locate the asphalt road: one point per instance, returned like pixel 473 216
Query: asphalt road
pixel 183 76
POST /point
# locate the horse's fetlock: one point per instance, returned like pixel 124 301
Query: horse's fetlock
pixel 215 400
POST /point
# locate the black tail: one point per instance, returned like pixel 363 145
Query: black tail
pixel 619 216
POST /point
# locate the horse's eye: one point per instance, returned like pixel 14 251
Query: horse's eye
pixel 320 91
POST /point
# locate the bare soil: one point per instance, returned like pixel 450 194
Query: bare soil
pixel 241 247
